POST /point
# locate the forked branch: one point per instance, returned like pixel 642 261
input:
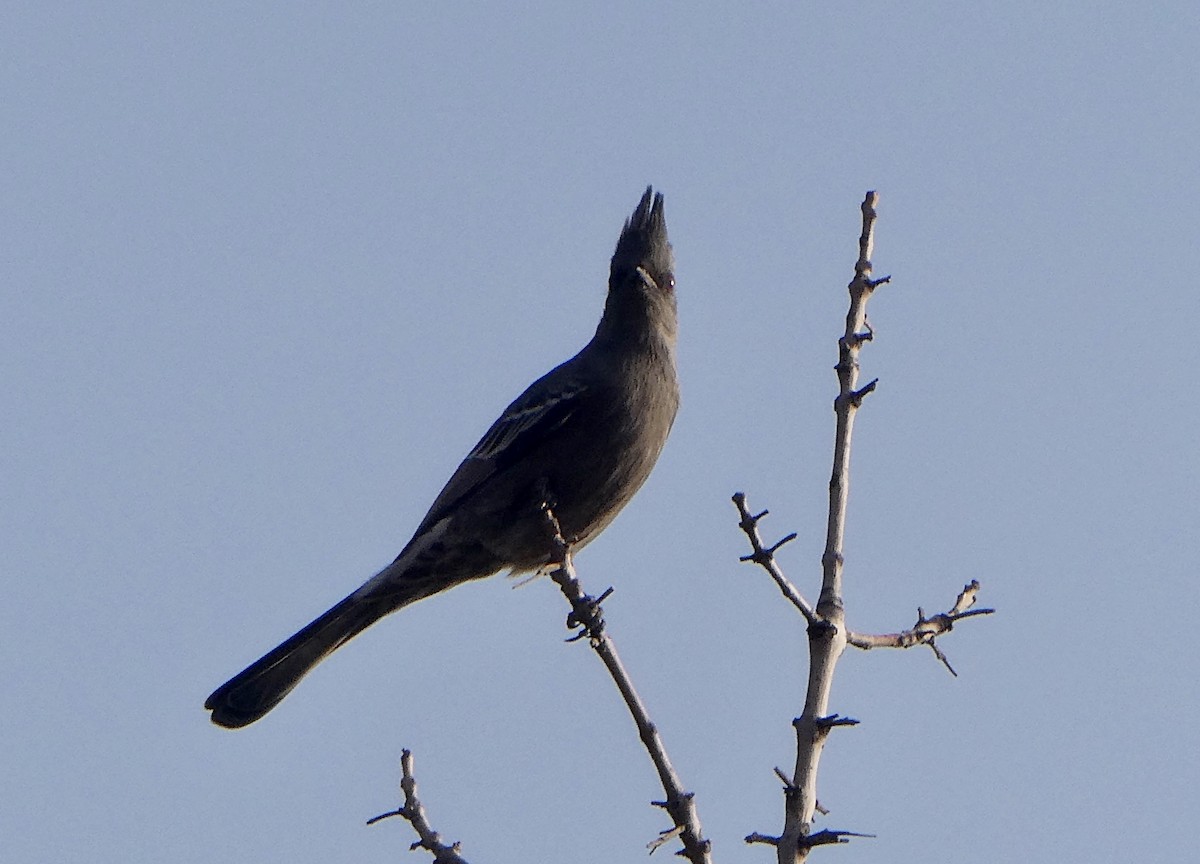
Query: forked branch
pixel 413 812
pixel 826 624
pixel 827 631
pixel 927 629
pixel 827 637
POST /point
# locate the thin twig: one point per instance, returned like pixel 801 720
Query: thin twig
pixel 586 614
pixel 413 811
pixel 927 628
pixel 824 838
pixel 764 556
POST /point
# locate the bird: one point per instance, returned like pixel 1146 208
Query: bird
pixel 580 441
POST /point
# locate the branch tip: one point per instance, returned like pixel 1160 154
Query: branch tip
pixel 828 837
pixel 835 720
pixel 764 557
pixel 788 539
pixel 857 396
pixel 664 836
pixel 413 811
pixel 941 656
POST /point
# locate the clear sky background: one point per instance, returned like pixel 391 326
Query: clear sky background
pixel 269 270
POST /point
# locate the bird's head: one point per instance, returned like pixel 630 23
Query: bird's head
pixel 643 252
pixel 640 308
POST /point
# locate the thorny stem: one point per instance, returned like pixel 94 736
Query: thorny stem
pixel 585 613
pixel 827 639
pixel 413 811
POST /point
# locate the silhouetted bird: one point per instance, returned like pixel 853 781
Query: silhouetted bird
pixel 583 439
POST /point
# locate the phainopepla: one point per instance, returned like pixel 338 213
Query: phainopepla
pixel 581 439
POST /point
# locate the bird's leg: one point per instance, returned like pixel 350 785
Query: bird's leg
pixel 586 613
pixel 559 548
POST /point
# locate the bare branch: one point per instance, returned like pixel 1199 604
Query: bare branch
pixel 413 811
pixel 835 720
pixel 765 557
pixel 586 615
pixel 927 629
pixel 766 839
pixel 664 837
pixel 824 838
pixel 827 632
pixel 966 598
pixel 827 641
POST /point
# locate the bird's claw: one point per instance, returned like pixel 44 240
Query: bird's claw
pixel 587 615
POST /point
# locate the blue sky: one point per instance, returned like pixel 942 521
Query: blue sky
pixel 269 271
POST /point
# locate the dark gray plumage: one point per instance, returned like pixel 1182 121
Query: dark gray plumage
pixel 586 435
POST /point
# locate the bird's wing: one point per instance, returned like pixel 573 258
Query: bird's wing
pixel 545 406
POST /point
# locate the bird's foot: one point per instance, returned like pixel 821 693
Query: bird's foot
pixel 587 615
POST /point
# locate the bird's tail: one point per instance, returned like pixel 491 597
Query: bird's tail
pixel 260 686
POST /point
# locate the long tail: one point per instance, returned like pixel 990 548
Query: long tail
pixel 427 566
pixel 260 686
